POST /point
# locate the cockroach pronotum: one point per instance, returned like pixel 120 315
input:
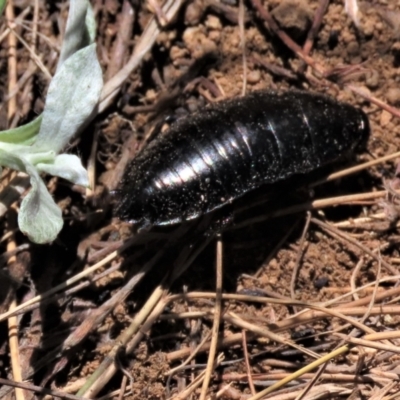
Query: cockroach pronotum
pixel 215 156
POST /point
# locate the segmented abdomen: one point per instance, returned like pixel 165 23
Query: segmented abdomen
pixel 215 156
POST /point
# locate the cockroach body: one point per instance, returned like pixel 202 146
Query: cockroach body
pixel 217 155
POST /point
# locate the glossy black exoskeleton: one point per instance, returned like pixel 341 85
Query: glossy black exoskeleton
pixel 213 157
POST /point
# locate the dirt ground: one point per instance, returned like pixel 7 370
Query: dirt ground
pixel 292 258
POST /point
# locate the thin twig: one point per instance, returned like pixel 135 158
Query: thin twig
pixel 91 165
pixel 217 318
pixel 12 59
pixel 357 168
pixel 61 286
pixel 13 326
pixel 237 321
pixel 34 56
pixel 312 33
pixel 142 322
pixel 356 270
pixel 120 46
pixel 247 362
pixel 300 372
pixel 331 230
pixel 192 354
pixel 39 389
pixel 122 390
pixel 146 42
pixel 300 253
pixel 243 44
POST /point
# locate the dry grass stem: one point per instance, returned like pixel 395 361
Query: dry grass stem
pixel 91 165
pixel 358 168
pixel 40 390
pixel 300 253
pixel 315 27
pixel 243 44
pixel 196 383
pixel 194 353
pixel 12 60
pixel 253 328
pixel 14 352
pixel 331 230
pixel 300 372
pixel 35 58
pixel 120 46
pixel 247 362
pixel 146 42
pixel 217 318
pixel 108 367
pixel 143 321
pixel 62 286
pixel 13 323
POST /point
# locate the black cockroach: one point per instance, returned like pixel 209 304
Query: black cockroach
pixel 213 157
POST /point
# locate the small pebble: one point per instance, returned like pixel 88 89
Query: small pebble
pixel 213 22
pixel 393 95
pixel 293 14
pixel 194 12
pixel 372 80
pixel 360 100
pixel 385 118
pixel 254 77
pixel 321 282
pixel 353 49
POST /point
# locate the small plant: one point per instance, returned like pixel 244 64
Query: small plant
pixel 36 148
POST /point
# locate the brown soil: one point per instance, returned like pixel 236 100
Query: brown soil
pixel 196 59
